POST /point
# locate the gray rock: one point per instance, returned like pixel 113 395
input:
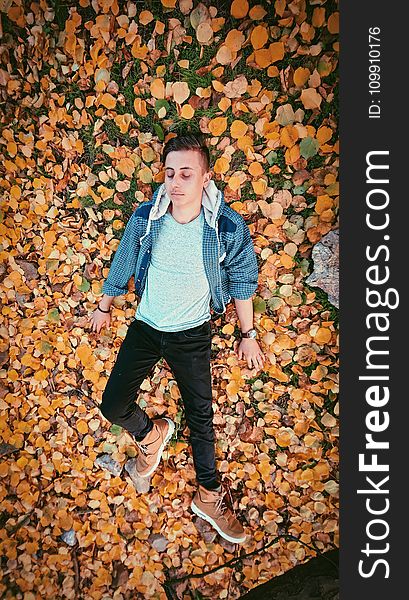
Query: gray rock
pixel 105 461
pixel 69 537
pixel 142 484
pixel 325 276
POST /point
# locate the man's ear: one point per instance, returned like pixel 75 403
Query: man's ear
pixel 207 179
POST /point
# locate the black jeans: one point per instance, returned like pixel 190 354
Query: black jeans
pixel 188 355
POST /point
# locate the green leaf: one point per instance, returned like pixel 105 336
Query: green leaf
pixel 308 147
pixel 259 305
pixel 109 448
pixel 115 429
pixel 161 103
pixel 84 286
pixel 159 131
pixel 272 157
pixel 299 189
pixel 53 315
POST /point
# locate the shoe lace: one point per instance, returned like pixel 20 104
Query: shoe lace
pixel 143 448
pixel 221 503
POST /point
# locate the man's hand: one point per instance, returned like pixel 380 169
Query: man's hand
pixel 98 319
pixel 249 350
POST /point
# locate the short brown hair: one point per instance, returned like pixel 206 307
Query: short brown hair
pixel 189 141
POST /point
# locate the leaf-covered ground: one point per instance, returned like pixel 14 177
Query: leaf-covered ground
pixel 89 93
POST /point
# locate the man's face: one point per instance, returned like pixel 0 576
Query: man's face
pixel 184 177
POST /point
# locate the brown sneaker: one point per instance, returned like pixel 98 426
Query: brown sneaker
pixel 152 446
pixel 211 505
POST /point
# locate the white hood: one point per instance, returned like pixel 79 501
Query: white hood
pixel 211 200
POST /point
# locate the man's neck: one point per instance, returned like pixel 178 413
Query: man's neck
pixel 184 215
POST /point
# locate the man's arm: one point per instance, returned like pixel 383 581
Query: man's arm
pixel 248 349
pixel 123 264
pixel 242 272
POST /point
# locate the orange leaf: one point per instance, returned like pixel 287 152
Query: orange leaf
pixel 318 16
pixel 333 23
pixel 259 36
pixel 157 89
pixel 257 12
pixel 180 91
pixel 145 17
pixel 224 55
pixel 276 51
pixel 140 107
pixel 301 76
pixel 311 98
pixel 262 57
pixel 234 40
pixel 108 101
pixel 239 9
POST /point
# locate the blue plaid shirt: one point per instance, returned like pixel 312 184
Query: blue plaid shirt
pixel 229 259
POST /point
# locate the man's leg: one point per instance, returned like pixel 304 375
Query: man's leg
pixel 188 355
pixel 138 353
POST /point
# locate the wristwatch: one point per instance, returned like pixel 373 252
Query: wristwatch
pixel 251 333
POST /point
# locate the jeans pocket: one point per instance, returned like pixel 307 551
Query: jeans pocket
pixel 198 332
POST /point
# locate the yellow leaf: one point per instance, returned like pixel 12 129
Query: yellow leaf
pixel 232 388
pixel 256 169
pixel 244 142
pixel 238 128
pixel 217 125
pixel 148 154
pixel 12 148
pixel 126 166
pixel 221 165
pixel 145 175
pixel 123 122
pixel 259 186
pixel 283 438
pixel 82 426
pixel 84 353
pixel 324 134
pixel 322 336
pixel 239 9
pixel 292 155
pixel 323 203
pixel 187 111
pixel 228 329
pixel 289 136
